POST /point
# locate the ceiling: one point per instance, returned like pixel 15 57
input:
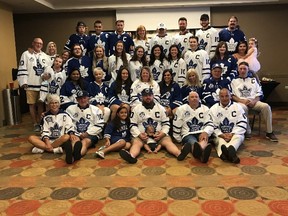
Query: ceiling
pixel 48 6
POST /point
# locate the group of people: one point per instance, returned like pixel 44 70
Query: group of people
pixel 130 92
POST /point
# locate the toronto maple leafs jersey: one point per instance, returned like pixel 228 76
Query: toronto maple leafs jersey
pixel 114 37
pixel 54 126
pixel 208 40
pixel 118 98
pixel 247 88
pixel 198 60
pixel 189 121
pixel 179 70
pixel 165 42
pixel 137 88
pixel 31 66
pixel 89 119
pixel 232 38
pixel 135 69
pixel 68 92
pixel 229 67
pixel 84 64
pixel 98 93
pixel 211 89
pixel 115 134
pixel 157 69
pixel 101 40
pixel 186 89
pixel 170 98
pixel 77 39
pixel 53 85
pixel 142 43
pixel 182 41
pixel 142 117
pixel 229 119
pixel 113 68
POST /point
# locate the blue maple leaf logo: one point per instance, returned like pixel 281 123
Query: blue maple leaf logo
pixel 245 92
pixel 202 44
pixel 82 125
pixel 192 65
pixel 55 130
pixel 155 73
pixel 53 87
pixel 194 125
pixel 150 122
pixel 38 68
pixel 180 47
pixel 226 126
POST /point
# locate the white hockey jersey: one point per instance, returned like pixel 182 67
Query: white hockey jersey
pixel 189 121
pixel 113 68
pixel 89 119
pixel 143 43
pixel 208 40
pixel 157 69
pixel 179 71
pixel 31 66
pixel 135 69
pixel 247 88
pixel 229 119
pixel 182 41
pixel 165 42
pixel 142 117
pixel 198 60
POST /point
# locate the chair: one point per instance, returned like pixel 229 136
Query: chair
pixel 255 113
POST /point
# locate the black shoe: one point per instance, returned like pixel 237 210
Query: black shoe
pixel 69 153
pixel 184 152
pixel 125 155
pixel 232 155
pixel 206 153
pixel 77 150
pixel 224 156
pixel 197 151
pixel 271 137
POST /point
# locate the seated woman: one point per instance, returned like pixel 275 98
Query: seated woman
pixel 145 81
pixel 170 93
pixel 73 84
pixel 117 133
pixel 192 83
pixel 56 127
pixel 119 91
pixel 98 92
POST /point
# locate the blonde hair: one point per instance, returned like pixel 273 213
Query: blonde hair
pixel 150 75
pixel 53 97
pixel 197 81
pixel 98 69
pixel 141 27
pixel 47 47
pixel 96 60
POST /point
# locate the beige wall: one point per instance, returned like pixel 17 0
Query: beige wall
pixel 8 54
pixel 268 23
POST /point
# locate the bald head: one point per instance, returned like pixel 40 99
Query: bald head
pixel 193 99
pixel 224 96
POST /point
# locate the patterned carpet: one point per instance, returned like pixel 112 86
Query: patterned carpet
pixel 42 184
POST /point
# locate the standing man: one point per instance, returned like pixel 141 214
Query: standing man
pixel 99 38
pixel 146 114
pixel 230 125
pixel 161 38
pixel 232 35
pixel 192 124
pixel 79 37
pixel 31 66
pixel 181 39
pixel 247 92
pixel 208 36
pixel 120 34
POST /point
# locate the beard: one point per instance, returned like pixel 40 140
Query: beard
pixel 148 105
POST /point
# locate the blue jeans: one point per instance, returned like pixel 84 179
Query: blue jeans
pixel 191 139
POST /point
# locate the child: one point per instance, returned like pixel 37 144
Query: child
pixel 116 134
pixel 151 145
pixel 252 54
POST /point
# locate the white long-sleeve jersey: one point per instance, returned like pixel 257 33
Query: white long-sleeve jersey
pixel 189 121
pixel 198 60
pixel 182 41
pixel 229 119
pixel 142 117
pixel 143 43
pixel 157 69
pixel 113 68
pixel 89 119
pixel 208 40
pixel 54 126
pixel 247 88
pixel 137 88
pixel 135 69
pixel 165 42
pixel 179 71
pixel 31 66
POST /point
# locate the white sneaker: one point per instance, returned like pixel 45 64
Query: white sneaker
pixel 100 154
pixel 58 150
pixel 36 150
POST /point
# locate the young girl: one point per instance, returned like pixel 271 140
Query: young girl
pixel 117 133
pixel 251 57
